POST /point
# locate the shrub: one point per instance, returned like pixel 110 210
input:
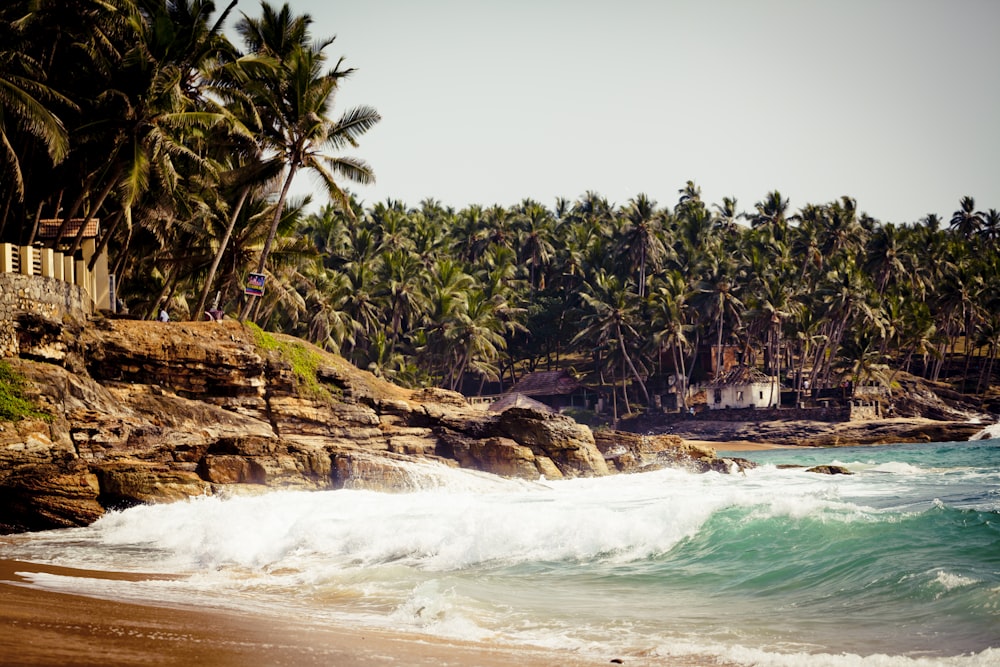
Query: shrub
pixel 14 405
pixel 305 360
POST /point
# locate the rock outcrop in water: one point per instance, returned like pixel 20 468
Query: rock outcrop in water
pixel 147 412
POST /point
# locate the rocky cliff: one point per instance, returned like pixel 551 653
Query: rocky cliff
pixel 148 412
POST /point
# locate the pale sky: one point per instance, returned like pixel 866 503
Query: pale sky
pixel 893 102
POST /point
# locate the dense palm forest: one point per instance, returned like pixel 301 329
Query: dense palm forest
pixel 144 114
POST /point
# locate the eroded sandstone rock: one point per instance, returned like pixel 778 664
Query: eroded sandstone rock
pixel 147 412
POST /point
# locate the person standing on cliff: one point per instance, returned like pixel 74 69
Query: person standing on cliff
pixel 164 315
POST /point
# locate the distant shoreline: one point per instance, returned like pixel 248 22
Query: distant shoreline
pixel 778 434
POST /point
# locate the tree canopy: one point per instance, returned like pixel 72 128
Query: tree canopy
pixel 144 114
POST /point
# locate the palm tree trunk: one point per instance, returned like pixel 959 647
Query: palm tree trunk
pixel 635 373
pixel 92 212
pixel 167 288
pixel 614 404
pixel 777 374
pixel 119 215
pixel 6 210
pixel 681 376
pixel 719 356
pixel 803 353
pixel 223 244
pixel 628 407
pixel 642 272
pixel 939 362
pixel 34 224
pixel 73 210
pixel 982 387
pixel 278 209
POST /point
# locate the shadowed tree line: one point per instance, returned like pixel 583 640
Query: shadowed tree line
pixel 824 293
pixel 143 113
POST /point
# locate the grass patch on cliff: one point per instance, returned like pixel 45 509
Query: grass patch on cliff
pixel 14 405
pixel 303 359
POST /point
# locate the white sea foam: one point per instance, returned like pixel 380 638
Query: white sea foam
pixel 950 581
pixel 568 564
pixel 437 529
pixel 474 522
pixel 989 433
pixel 749 656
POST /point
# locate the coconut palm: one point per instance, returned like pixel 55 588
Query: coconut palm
pixel 476 341
pixel 883 259
pixel 610 311
pixel 991 225
pixel 447 295
pixel 155 108
pixel 295 102
pixel 670 328
pixel 772 212
pixel 716 300
pixel 641 239
pixel 402 291
pixel 535 223
pixel 27 114
pixel 967 221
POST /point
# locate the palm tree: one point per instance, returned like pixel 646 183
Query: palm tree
pixel 846 295
pixel 57 58
pixel 715 298
pixel 859 358
pixel 535 226
pixel 25 100
pixel 883 259
pixel 402 290
pixel 477 340
pixel 641 240
pixel 149 139
pixel 610 311
pixel 295 102
pixel 967 221
pixel 446 298
pixel 842 231
pixel 669 326
pixel 991 225
pixel 772 214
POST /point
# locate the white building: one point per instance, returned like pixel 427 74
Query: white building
pixel 744 387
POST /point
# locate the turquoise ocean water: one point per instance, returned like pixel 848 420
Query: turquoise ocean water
pixel 897 564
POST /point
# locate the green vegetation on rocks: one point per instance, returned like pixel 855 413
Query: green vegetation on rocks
pixel 304 360
pixel 14 405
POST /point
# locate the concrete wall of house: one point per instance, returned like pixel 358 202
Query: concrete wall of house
pixel 756 395
pixel 46 297
pixel 864 410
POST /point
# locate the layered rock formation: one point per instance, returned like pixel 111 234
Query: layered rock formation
pixel 154 412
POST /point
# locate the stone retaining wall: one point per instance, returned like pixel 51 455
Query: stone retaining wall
pixel 49 298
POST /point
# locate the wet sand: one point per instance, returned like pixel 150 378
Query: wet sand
pixel 39 627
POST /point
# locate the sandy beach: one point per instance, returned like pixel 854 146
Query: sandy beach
pixel 39 627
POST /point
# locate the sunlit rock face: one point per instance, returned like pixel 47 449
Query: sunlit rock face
pixel 148 412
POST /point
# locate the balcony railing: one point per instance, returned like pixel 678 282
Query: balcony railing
pixel 48 263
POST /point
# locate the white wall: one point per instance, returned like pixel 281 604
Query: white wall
pixel 757 395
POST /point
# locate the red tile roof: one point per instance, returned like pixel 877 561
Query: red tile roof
pixel 741 375
pixel 47 229
pixel 546 383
